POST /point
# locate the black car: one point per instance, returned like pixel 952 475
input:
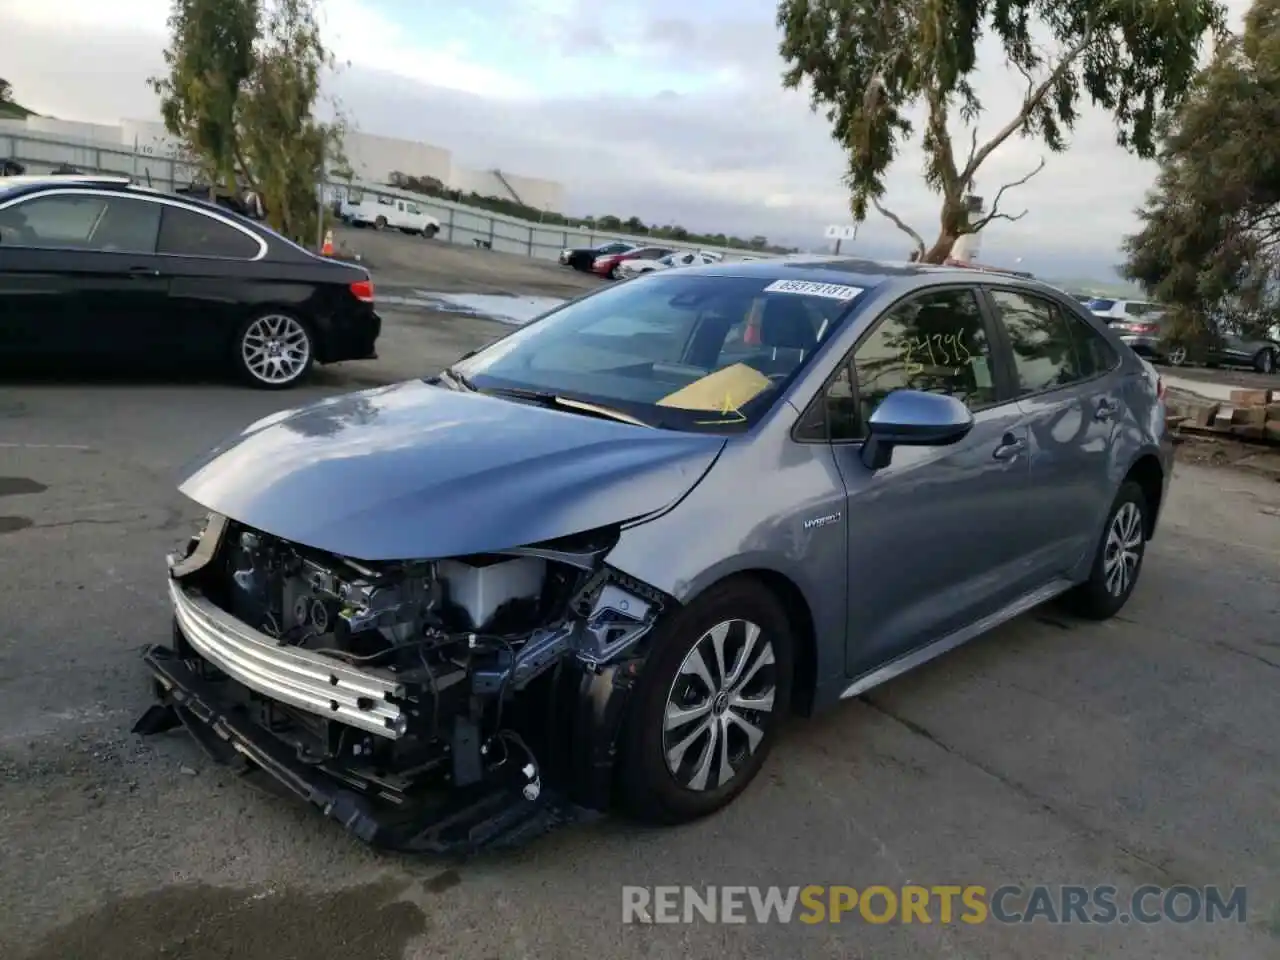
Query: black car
pixel 581 258
pixel 99 269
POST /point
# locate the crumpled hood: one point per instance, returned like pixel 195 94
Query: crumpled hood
pixel 418 471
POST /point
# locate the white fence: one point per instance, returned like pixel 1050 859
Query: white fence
pixel 459 223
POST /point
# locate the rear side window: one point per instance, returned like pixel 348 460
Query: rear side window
pixel 186 233
pixel 1050 348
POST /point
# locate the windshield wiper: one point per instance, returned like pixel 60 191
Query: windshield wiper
pixel 461 379
pixel 548 399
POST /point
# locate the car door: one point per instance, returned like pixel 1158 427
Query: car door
pixel 209 259
pixel 80 273
pixel 1064 377
pixel 936 538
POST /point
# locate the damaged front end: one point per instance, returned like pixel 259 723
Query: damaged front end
pixel 435 705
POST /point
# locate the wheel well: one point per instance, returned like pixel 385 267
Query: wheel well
pixel 1149 475
pixel 802 629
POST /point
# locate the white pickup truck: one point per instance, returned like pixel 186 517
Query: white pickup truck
pixel 381 212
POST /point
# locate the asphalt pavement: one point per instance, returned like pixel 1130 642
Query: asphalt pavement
pixel 1142 750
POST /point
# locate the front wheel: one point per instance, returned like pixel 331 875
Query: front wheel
pixel 430 231
pixel 1118 560
pixel 709 704
pixel 1177 356
pixel 274 351
pixel 1265 361
pixel 380 223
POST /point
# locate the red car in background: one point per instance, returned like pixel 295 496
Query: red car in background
pixel 607 266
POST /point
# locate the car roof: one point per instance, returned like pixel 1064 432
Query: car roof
pixel 864 273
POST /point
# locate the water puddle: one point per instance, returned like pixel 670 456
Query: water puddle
pixel 211 923
pixel 504 308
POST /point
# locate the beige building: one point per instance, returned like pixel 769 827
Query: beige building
pixel 373 158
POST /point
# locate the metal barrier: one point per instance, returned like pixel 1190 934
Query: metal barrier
pixel 459 223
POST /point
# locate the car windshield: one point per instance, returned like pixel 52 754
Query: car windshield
pixel 680 352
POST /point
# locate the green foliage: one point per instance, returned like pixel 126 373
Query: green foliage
pixel 283 144
pixel 879 69
pixel 210 58
pixel 432 187
pixel 243 82
pixel 1209 240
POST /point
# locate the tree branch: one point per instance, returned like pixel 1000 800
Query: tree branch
pixel 898 222
pixel 995 213
pixel 1035 96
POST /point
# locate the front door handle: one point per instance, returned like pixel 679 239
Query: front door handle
pixel 1010 447
pixel 1106 410
pixel 143 272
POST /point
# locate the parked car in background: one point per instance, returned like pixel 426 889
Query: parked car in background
pixel 98 269
pixel 605 557
pixel 1111 309
pixel 628 269
pixel 581 258
pixel 607 265
pixel 1216 345
pixel 381 212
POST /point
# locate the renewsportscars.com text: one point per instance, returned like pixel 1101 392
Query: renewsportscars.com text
pixel 944 904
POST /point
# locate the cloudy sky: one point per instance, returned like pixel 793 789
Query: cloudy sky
pixel 667 109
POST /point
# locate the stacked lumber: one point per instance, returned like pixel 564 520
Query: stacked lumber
pixel 1248 415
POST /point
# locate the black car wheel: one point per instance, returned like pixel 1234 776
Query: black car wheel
pixel 1265 361
pixel 274 351
pixel 380 222
pixel 1118 560
pixel 430 231
pixel 709 704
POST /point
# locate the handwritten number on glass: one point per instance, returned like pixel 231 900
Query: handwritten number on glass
pixel 939 349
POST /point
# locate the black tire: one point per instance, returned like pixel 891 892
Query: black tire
pixel 430 232
pixel 613 272
pixel 1265 361
pixel 291 326
pixel 1094 599
pixel 650 791
pixel 380 223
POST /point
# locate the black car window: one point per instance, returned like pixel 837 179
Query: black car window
pixel 1050 349
pixel 187 233
pixel 82 221
pixel 934 342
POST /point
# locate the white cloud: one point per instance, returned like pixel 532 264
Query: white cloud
pixel 705 136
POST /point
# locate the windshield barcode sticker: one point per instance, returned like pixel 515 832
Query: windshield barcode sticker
pixel 808 288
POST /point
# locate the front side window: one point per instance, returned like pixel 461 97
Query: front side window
pixel 684 352
pixel 1049 349
pixel 97 222
pixel 935 342
pixel 188 233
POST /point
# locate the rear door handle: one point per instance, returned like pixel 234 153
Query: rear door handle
pixel 143 272
pixel 1010 447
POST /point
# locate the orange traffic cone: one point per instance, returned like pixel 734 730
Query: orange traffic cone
pixel 326 249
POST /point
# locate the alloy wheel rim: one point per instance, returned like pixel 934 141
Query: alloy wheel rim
pixel 276 349
pixel 718 704
pixel 1123 549
pixel 1178 356
pixel 1268 362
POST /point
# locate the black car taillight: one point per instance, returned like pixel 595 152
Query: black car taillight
pixel 362 290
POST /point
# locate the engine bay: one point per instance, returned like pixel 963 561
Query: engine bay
pixel 471 647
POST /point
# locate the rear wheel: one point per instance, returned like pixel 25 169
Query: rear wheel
pixel 1265 361
pixel 1118 560
pixel 274 351
pixel 1177 355
pixel 430 231
pixel 709 705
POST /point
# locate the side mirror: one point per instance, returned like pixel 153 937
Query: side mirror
pixel 913 418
